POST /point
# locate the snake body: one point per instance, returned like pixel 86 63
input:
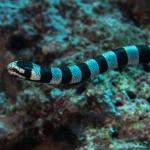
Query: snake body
pixel 115 58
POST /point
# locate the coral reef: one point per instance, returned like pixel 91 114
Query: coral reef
pixel 110 112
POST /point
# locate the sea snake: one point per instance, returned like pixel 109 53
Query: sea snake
pixel 115 58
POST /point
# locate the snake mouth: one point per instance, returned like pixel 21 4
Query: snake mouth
pixel 13 70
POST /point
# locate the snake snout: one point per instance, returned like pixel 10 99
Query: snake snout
pixel 15 70
pixel 12 67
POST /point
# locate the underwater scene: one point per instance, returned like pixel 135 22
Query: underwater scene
pixel 74 74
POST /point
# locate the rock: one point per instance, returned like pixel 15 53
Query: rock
pixel 17 42
pixel 56 93
pixel 138 10
pixel 6 126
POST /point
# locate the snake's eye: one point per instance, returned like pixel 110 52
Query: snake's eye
pixel 25 65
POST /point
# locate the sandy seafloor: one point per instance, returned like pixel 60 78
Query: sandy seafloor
pixel 110 112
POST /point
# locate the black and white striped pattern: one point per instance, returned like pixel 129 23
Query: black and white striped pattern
pixel 127 55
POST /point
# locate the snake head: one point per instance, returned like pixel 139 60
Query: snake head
pixel 25 70
pixel 20 68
